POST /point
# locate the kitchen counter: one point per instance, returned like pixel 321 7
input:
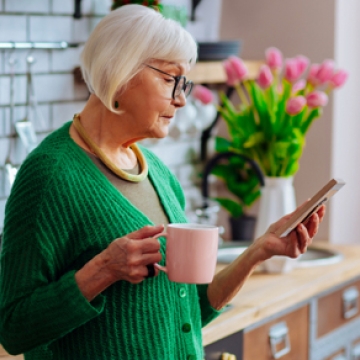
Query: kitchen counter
pixel 264 295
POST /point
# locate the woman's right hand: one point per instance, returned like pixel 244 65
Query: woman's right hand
pixel 125 258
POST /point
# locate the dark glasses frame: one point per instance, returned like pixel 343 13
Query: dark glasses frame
pixel 186 87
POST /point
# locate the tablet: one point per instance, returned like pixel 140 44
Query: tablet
pixel 302 214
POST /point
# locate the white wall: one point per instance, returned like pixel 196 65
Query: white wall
pixel 346 126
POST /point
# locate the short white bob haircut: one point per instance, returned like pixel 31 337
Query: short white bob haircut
pixel 123 41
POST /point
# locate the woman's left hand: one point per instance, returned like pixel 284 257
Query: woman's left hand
pixel 295 243
pixel 229 280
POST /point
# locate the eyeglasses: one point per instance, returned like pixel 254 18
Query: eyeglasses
pixel 180 83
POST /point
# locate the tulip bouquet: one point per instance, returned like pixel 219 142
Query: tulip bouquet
pixel 275 113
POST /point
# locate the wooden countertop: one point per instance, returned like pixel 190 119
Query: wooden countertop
pixel 264 295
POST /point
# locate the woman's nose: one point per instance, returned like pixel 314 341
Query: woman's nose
pixel 180 100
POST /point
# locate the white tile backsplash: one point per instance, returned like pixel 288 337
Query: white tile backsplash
pixel 27 6
pixel 3 130
pixel 65 60
pixel 81 28
pixel 1 62
pixel 13 28
pixel 2 210
pixel 67 7
pixel 19 89
pixel 54 87
pixel 4 149
pixel 61 113
pixel 58 28
pixel 63 6
pixel 101 7
pixel 4 90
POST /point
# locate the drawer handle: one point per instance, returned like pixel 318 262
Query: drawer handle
pixel 279 335
pixel 355 352
pixel 350 299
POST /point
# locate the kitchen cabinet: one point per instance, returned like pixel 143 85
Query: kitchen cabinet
pixel 337 308
pixel 285 337
pixel 310 313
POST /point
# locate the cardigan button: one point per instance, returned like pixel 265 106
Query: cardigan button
pixel 191 357
pixel 186 328
pixel 182 292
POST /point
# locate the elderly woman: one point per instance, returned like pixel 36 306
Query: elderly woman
pixel 77 275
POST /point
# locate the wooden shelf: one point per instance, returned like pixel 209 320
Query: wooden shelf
pixel 212 72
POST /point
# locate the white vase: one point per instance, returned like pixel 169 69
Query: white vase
pixel 277 199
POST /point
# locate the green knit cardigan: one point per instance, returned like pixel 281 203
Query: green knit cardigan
pixel 61 212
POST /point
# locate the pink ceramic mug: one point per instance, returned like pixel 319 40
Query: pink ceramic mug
pixel 191 251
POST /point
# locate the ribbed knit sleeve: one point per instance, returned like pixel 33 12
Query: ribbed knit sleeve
pixel 208 313
pixel 37 303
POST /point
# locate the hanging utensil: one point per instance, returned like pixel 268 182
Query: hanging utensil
pixel 24 127
pixel 10 169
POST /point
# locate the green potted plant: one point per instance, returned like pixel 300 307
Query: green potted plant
pixel 151 3
pixel 270 124
pixel 177 13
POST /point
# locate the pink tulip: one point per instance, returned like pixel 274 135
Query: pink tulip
pixel 326 71
pixel 265 77
pixel 274 58
pixel 235 69
pixel 303 63
pixel 292 72
pixel 299 85
pixel 239 67
pixel 295 105
pixel 230 73
pixel 339 78
pixel 203 94
pixel 316 99
pixel 312 77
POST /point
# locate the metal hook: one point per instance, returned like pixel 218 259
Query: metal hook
pixel 11 60
pixel 29 58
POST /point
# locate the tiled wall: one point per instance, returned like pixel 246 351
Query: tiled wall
pixel 58 96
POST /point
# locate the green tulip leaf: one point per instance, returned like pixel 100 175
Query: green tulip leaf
pixel 254 139
pixel 281 149
pixel 222 145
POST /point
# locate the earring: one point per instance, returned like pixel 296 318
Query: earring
pixel 116 104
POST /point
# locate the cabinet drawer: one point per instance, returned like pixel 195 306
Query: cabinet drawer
pixel 338 308
pixel 285 338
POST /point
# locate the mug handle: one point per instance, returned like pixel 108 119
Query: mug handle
pixel 158 266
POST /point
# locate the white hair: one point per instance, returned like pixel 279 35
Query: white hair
pixel 123 41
